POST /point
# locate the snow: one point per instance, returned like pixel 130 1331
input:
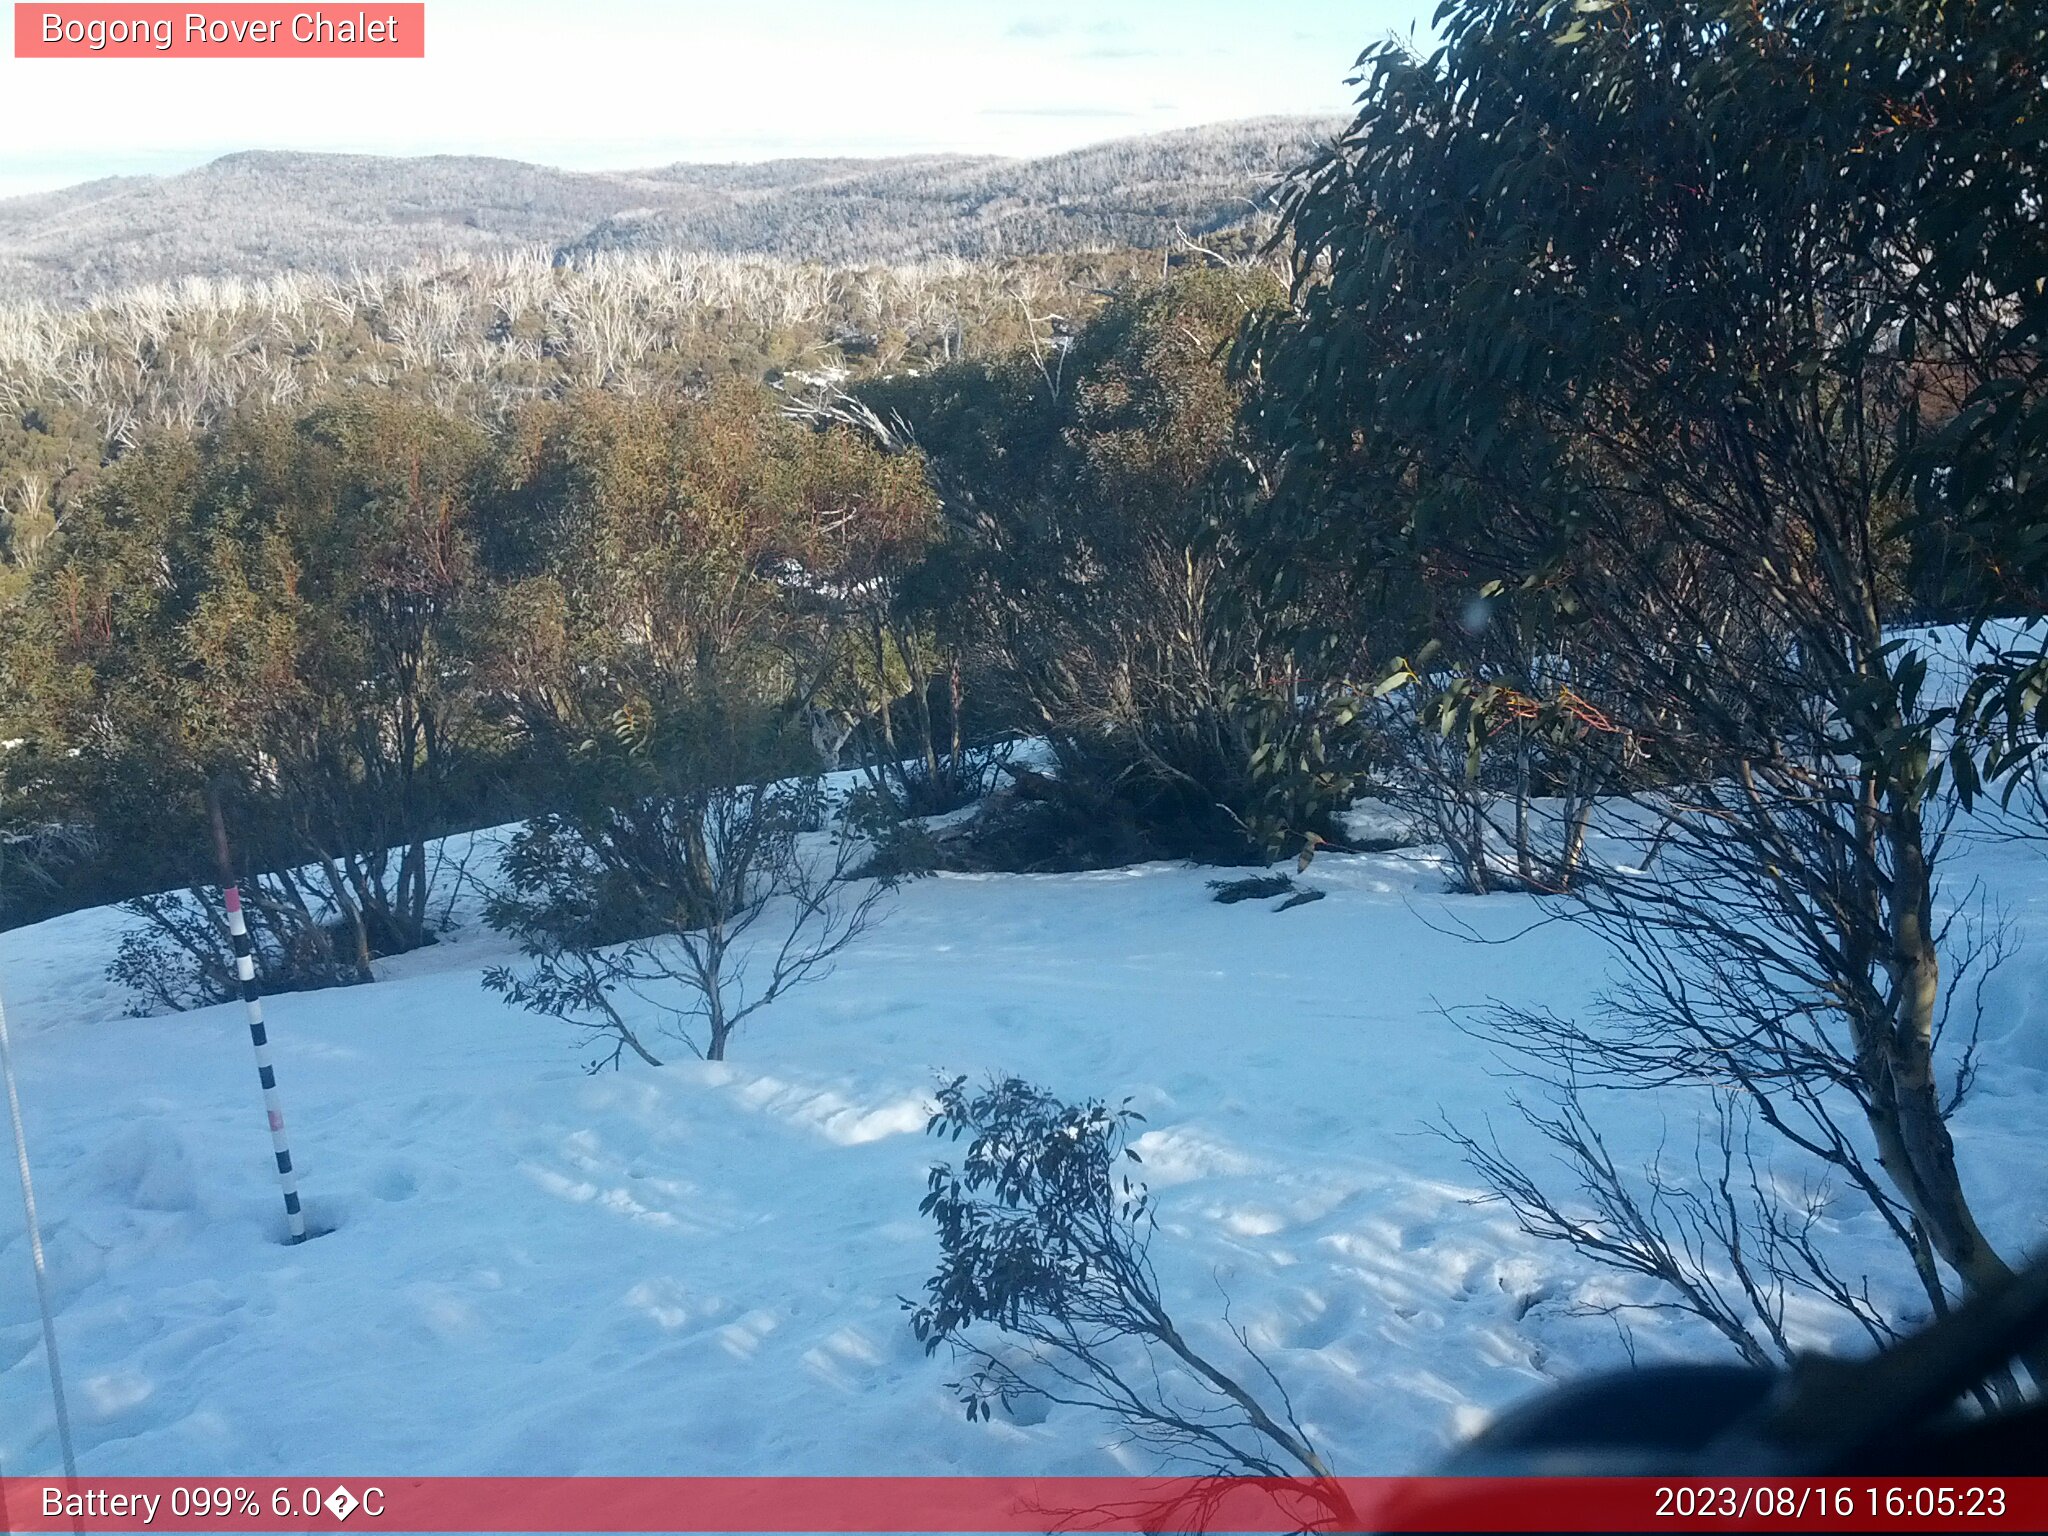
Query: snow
pixel 697 1269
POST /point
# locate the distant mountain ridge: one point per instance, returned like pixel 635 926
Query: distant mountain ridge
pixel 262 212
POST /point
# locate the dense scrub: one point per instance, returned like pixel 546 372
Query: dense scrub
pixel 1099 580
pixel 478 336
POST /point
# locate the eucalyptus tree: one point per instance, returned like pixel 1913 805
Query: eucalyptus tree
pixel 282 608
pixel 1632 321
pixel 670 613
pixel 1094 577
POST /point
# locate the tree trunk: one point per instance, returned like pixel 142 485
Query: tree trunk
pixel 714 1014
pixel 412 882
pixel 889 752
pixel 359 933
pixel 1525 859
pixel 1914 1145
pixel 954 692
pixel 920 691
pixel 1475 842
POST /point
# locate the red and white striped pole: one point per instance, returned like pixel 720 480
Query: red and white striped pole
pixel 252 1000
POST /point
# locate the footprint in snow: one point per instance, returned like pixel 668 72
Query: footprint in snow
pixel 394 1184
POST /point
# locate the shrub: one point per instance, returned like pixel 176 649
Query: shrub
pixel 1044 1237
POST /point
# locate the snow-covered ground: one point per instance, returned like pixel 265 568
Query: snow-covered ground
pixel 698 1269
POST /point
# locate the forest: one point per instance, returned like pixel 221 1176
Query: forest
pixel 1631 429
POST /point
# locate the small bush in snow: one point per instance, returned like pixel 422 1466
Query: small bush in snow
pixel 702 905
pixel 1044 1237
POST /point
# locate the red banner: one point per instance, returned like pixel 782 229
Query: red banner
pixel 994 1504
pixel 225 31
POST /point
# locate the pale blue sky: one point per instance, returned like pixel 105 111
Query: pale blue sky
pixel 597 84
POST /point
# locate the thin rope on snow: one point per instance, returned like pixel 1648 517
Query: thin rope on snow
pixel 35 1248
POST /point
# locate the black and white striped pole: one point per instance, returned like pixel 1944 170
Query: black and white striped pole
pixel 245 974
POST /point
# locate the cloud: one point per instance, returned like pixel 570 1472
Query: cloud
pixel 1042 29
pixel 1056 112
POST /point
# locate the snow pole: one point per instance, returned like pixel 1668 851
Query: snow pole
pixel 252 1000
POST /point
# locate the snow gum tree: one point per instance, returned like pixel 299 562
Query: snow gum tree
pixel 658 662
pixel 1618 317
pixel 1094 570
pixel 1045 1242
pixel 282 607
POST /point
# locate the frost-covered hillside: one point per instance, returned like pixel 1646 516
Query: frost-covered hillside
pixel 261 213
pixel 698 1269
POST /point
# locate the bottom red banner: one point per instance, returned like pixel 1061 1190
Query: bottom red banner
pixel 998 1504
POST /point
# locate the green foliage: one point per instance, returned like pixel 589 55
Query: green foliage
pixel 1579 281
pixel 1041 1219
pixel 285 608
pixel 1045 1236
pixel 1618 334
pixel 478 336
pixel 1096 568
pixel 375 620
pixel 600 905
pixel 659 546
pixel 900 846
pixel 654 880
pixel 674 605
